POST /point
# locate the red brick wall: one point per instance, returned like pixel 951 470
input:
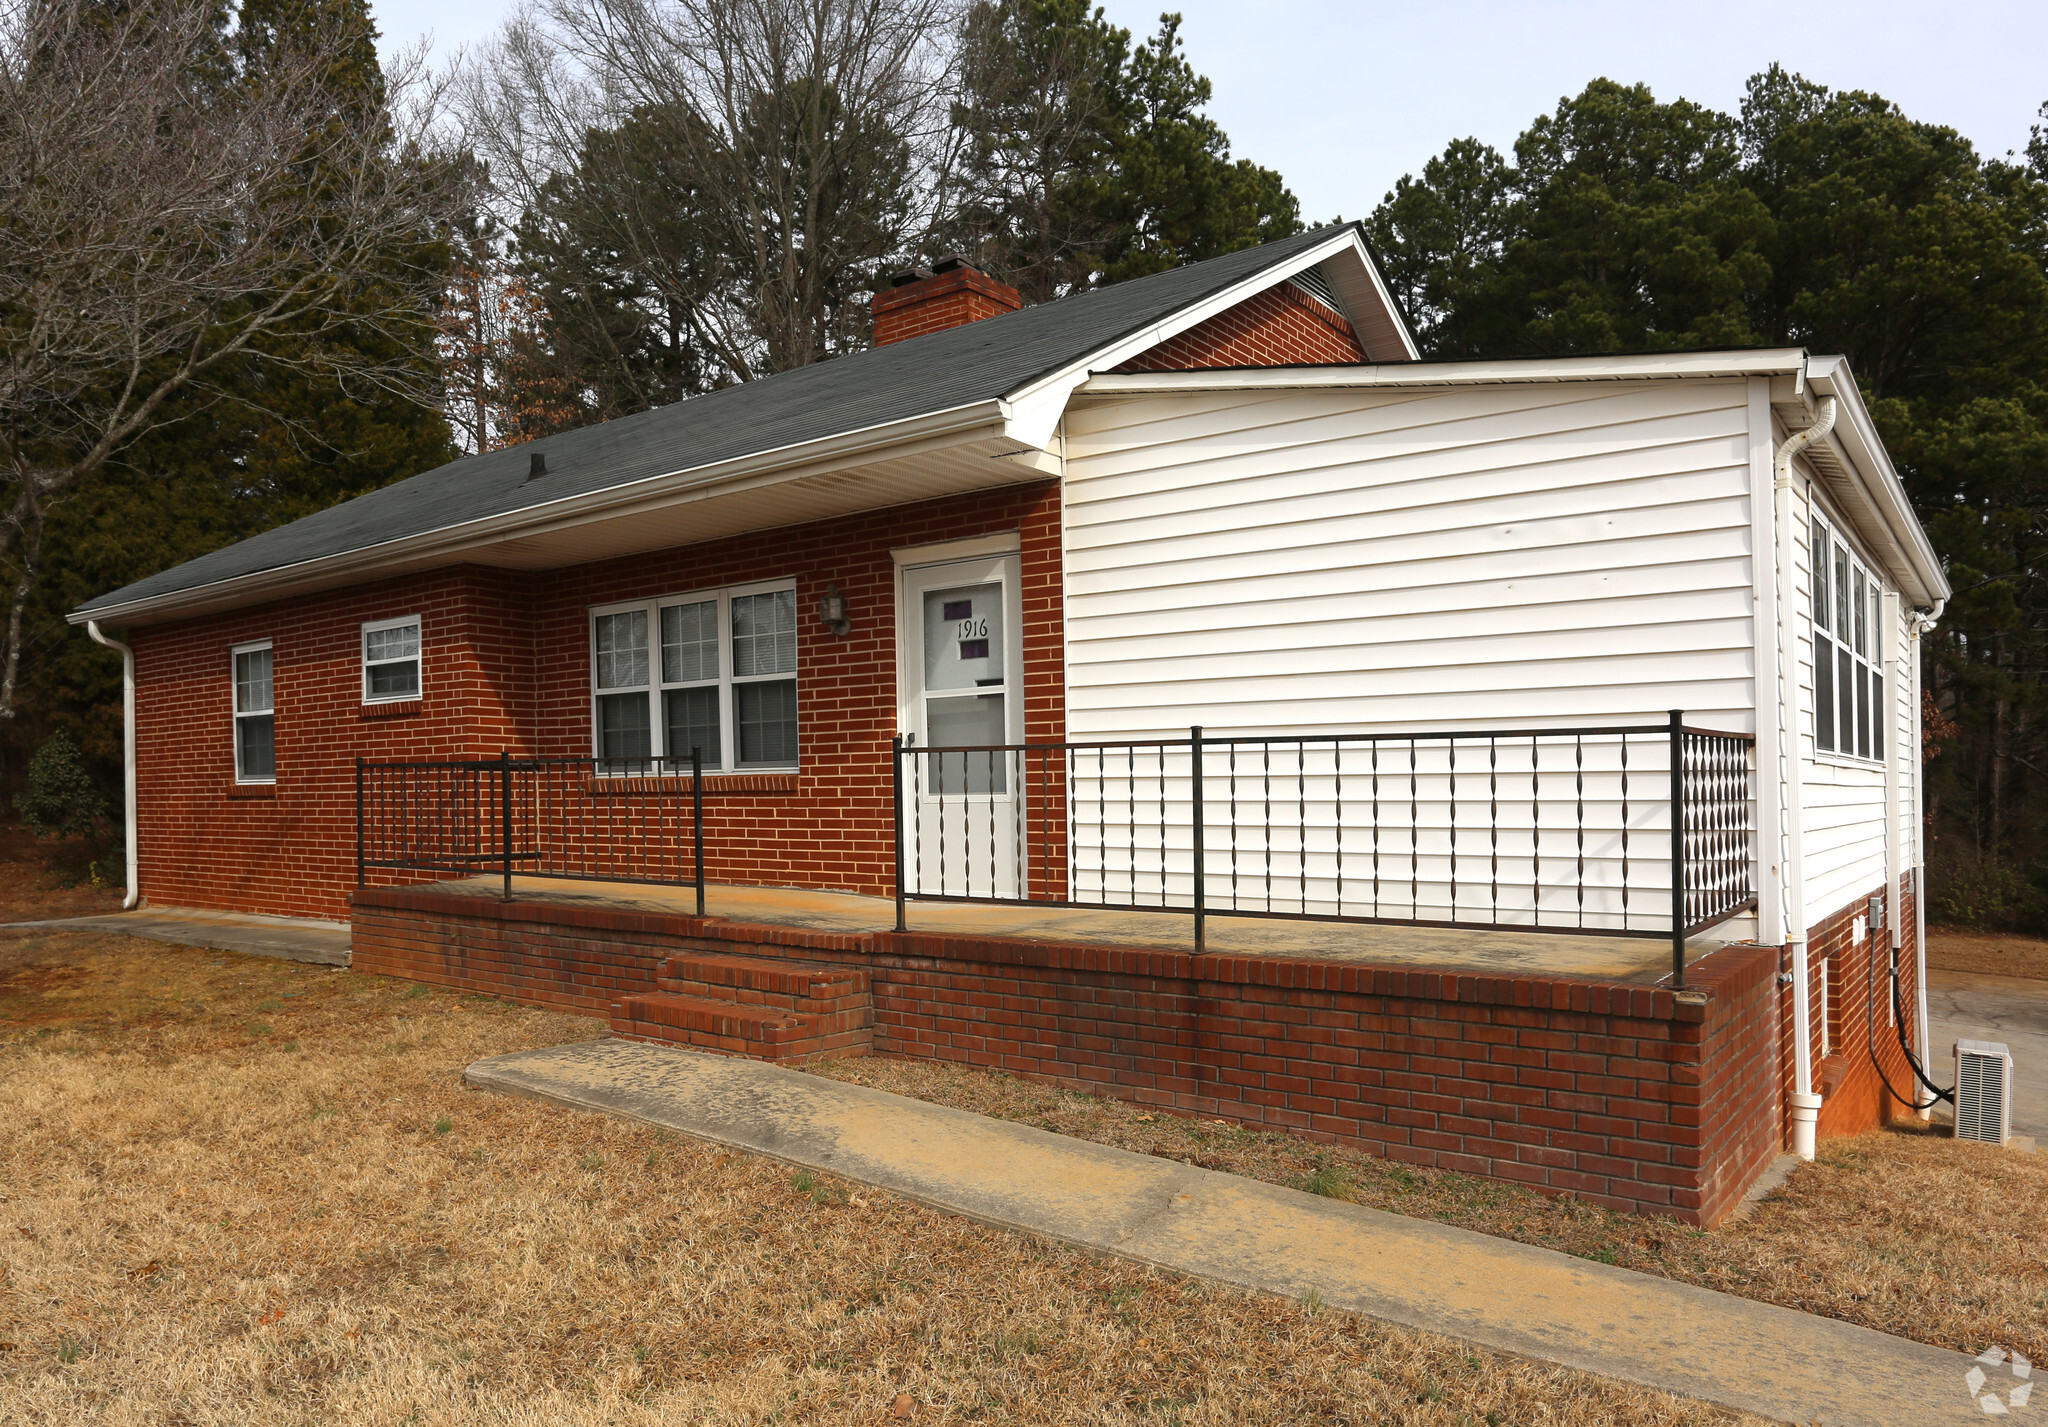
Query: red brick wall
pixel 1853 1094
pixel 1282 326
pixel 933 304
pixel 507 667
pixel 288 848
pixel 1595 1090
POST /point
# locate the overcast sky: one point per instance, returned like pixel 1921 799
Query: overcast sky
pixel 1343 99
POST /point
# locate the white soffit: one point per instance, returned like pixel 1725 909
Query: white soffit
pixel 657 521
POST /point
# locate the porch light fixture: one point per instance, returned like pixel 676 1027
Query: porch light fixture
pixel 832 611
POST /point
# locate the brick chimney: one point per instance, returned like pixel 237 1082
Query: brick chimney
pixel 950 293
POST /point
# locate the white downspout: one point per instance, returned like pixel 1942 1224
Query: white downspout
pixel 92 628
pixel 1792 774
pixel 1889 615
pixel 1922 624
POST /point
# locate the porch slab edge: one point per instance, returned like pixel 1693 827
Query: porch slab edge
pixel 1281 973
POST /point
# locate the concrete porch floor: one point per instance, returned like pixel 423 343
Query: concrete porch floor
pixel 1612 960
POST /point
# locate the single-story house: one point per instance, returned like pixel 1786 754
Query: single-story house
pixel 1509 765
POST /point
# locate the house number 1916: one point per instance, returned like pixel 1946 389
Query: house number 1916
pixel 974 628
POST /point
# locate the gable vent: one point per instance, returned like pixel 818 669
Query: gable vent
pixel 1312 282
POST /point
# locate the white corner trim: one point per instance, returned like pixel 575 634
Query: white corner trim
pixel 1006 542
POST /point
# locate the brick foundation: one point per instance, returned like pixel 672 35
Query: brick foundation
pixel 1860 1033
pixel 1635 1098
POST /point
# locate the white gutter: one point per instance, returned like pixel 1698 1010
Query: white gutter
pixel 1805 1104
pixel 1775 362
pixel 612 502
pixel 127 758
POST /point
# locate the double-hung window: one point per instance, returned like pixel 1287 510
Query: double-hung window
pixel 255 715
pixel 715 672
pixel 1848 672
pixel 391 660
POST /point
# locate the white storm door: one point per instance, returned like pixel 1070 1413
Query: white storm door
pixel 963 686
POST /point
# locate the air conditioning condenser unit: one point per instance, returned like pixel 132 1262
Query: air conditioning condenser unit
pixel 1983 1091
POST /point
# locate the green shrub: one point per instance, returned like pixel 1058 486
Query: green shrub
pixel 61 799
pixel 1965 888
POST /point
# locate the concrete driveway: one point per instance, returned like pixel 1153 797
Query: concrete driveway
pixel 1965 1006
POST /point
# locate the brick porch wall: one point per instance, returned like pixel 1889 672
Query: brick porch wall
pixel 507 666
pixel 1635 1098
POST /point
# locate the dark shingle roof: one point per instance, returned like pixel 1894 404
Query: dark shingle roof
pixel 961 366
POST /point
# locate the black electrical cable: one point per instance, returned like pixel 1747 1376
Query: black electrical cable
pixel 1899 1020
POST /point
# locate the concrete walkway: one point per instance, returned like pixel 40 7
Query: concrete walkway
pixel 292 938
pixel 1964 1006
pixel 1528 1301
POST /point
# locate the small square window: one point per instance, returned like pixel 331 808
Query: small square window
pixel 391 660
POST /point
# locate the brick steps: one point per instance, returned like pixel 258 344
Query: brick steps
pixel 786 1011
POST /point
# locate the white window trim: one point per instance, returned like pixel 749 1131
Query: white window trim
pixel 374 626
pixel 236 713
pixel 1884 730
pixel 728 722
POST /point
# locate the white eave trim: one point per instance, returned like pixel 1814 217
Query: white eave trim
pixel 978 420
pixel 1877 479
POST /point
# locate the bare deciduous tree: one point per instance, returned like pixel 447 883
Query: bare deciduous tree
pixel 169 209
pixel 750 161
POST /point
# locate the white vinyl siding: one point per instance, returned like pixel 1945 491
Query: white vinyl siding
pixel 1507 557
pixel 1346 560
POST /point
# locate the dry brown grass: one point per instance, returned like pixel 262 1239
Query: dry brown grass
pixel 1904 1231
pixel 1987 953
pixel 41 880
pixel 235 1190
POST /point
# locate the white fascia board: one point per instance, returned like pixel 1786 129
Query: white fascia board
pixel 1784 361
pixel 1034 410
pixel 978 421
pixel 1855 434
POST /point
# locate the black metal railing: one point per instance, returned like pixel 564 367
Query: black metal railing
pixel 1625 830
pixel 637 820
